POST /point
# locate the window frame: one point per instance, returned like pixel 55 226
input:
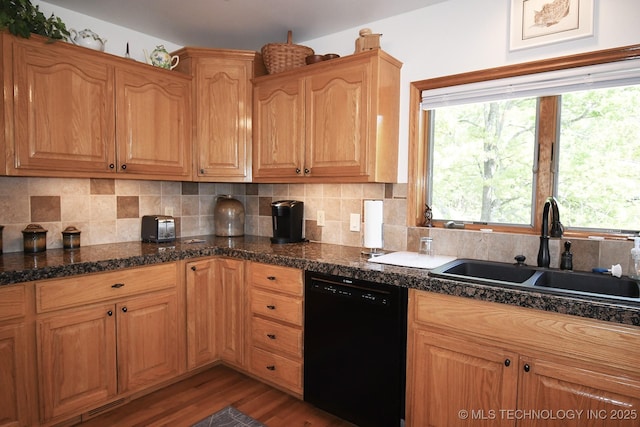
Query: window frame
pixel 547 131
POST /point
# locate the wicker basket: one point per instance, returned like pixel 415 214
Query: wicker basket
pixel 279 57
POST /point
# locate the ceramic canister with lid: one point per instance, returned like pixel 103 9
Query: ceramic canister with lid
pixel 228 217
pixel 71 238
pixel 35 238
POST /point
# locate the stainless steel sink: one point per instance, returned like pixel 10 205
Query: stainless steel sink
pixel 540 279
pixel 588 282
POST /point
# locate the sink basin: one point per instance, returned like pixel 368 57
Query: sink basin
pixel 588 282
pixel 485 271
pixel 541 279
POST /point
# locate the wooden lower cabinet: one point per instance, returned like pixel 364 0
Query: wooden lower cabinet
pixel 276 325
pixel 215 311
pixel 14 410
pixel 91 354
pixel 487 364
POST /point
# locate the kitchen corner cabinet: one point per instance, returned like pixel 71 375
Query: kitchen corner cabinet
pixel 276 325
pixel 222 111
pixel 104 336
pixel 492 364
pixel 335 121
pixel 17 376
pixel 215 311
pixel 75 112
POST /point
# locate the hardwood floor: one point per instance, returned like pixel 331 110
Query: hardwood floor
pixel 189 401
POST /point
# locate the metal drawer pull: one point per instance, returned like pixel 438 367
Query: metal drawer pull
pixel 117 285
pixel 271 336
pixel 526 367
pixel 109 313
pixel 124 309
pixel 271 277
pixel 271 307
pixel 271 367
pixel 193 268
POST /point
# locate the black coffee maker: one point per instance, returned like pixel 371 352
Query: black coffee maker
pixel 287 221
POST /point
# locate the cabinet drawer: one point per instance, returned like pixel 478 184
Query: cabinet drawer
pixel 277 278
pixel 12 302
pixel 276 337
pixel 275 306
pixel 277 369
pixel 87 289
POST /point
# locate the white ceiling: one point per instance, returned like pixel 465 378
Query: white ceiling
pixel 240 24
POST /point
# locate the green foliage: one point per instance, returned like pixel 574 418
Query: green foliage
pixel 22 18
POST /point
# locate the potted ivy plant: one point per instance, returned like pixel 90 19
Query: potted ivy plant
pixel 22 18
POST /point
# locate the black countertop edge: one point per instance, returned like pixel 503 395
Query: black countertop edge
pixel 319 257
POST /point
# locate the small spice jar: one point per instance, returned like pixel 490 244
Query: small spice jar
pixel 35 238
pixel 71 238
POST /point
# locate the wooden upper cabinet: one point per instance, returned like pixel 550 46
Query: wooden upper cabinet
pixel 222 110
pixel 278 151
pixel 63 109
pixel 336 121
pixel 153 123
pixel 76 112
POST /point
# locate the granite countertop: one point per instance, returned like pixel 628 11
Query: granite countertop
pixel 346 261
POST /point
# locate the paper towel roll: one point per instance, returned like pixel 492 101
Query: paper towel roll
pixel 373 225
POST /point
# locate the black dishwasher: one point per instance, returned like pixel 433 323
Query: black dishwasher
pixel 355 349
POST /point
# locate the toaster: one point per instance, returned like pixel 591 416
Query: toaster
pixel 158 228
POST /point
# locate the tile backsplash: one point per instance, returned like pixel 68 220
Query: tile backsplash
pixel 109 211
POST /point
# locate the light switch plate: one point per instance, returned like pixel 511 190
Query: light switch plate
pixel 320 219
pixel 354 222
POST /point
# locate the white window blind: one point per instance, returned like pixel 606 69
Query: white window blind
pixel 622 73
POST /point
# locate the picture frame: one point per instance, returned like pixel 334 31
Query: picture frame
pixel 540 22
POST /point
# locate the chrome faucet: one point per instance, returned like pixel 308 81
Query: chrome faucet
pixel 556 230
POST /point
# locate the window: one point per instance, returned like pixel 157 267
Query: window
pixel 492 151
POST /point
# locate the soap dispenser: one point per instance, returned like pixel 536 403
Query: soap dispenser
pixel 566 259
pixel 634 260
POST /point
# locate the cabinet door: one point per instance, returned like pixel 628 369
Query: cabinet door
pixel 63 110
pixel 77 359
pixel 573 396
pixel 337 114
pixel 153 123
pixel 223 122
pixel 279 131
pixel 230 310
pixel 447 376
pixel 148 341
pixel 13 377
pixel 201 309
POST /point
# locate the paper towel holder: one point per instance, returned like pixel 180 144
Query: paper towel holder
pixel 373 236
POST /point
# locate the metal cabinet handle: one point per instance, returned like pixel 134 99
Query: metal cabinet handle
pixel 117 285
pixel 124 309
pixel 271 307
pixel 201 171
pixel 123 167
pixel 109 313
pixel 307 171
pixel 507 362
pixel 298 171
pixel 271 336
pixel 271 367
pixel 526 367
pixel 271 277
pixel 193 267
pixel 112 166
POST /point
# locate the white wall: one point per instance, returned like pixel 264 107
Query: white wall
pixel 450 37
pixel 457 36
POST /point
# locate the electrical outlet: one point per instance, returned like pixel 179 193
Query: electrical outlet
pixel 320 218
pixel 168 210
pixel 354 222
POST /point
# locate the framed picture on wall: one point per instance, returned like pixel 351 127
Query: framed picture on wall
pixel 540 22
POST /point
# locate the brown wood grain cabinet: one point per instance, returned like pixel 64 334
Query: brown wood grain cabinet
pixel 107 335
pixel 75 112
pixel 275 337
pixel 222 111
pixel 482 363
pixel 17 374
pixel 336 121
pixel 215 312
